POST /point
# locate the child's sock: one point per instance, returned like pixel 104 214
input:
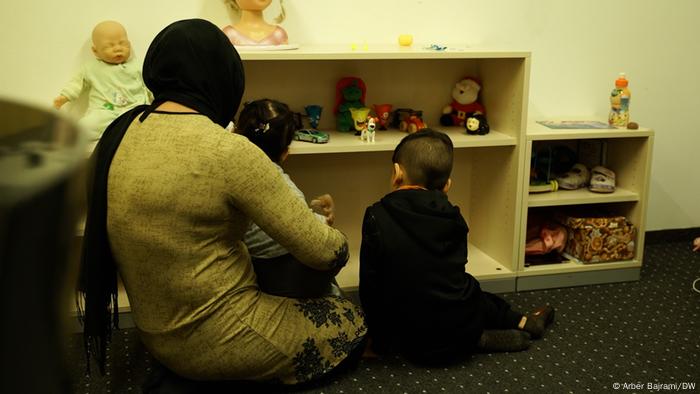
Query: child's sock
pixel 504 340
pixel 537 322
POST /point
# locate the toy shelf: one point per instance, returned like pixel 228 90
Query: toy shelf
pixel 628 153
pixel 380 52
pixel 386 140
pixel 487 169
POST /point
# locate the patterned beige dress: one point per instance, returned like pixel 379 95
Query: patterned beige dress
pixel 181 192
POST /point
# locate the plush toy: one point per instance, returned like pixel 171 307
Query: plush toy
pixel 465 95
pixel 476 124
pixel 383 112
pixel 349 93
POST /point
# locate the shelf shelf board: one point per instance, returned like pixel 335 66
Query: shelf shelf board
pixel 579 196
pixel 379 52
pixel 481 266
pixel 539 132
pixel 386 140
pixel 571 267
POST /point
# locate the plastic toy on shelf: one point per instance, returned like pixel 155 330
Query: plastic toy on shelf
pixel 409 120
pixel 313 112
pixel 369 131
pixel 359 118
pixel 311 135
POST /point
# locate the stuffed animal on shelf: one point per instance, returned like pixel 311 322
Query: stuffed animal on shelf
pixel 112 81
pixel 476 124
pixel 465 96
pixel 349 93
pixel 383 112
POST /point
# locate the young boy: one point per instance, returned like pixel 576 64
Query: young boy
pixel 417 297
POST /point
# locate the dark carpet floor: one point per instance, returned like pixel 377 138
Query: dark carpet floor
pixel 624 337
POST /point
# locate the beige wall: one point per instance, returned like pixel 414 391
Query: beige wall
pixel 578 48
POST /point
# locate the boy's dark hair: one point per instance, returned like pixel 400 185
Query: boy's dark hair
pixel 269 124
pixel 426 157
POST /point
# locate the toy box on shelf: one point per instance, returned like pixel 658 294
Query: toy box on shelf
pixel 599 238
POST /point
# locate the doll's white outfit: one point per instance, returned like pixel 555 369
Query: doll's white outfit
pixel 112 90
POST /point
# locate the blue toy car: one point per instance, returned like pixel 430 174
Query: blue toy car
pixel 311 135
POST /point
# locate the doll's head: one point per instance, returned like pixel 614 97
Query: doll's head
pixel 423 158
pixel 270 125
pixel 255 5
pixel 110 43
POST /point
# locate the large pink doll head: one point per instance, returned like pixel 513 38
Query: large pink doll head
pixel 251 28
pixel 110 42
pixel 255 5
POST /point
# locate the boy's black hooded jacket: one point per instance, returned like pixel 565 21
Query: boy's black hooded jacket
pixel 417 297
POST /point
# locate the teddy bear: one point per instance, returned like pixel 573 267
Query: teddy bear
pixel 465 95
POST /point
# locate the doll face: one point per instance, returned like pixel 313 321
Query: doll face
pixel 110 43
pixel 554 238
pixel 253 5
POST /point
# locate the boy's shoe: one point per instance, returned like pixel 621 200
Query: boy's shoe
pixel 538 321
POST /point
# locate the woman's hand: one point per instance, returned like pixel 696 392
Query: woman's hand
pixel 323 205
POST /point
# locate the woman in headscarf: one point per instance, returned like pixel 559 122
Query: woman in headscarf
pixel 172 196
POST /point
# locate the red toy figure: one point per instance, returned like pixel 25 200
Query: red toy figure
pixel 383 112
pixel 465 96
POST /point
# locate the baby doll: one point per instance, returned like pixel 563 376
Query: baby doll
pixel 252 29
pixel 113 82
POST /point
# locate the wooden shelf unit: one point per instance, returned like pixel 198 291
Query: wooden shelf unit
pixel 629 154
pixel 487 170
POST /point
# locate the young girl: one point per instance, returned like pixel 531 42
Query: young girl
pixel 270 125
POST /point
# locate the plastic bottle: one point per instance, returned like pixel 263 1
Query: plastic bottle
pixel 620 103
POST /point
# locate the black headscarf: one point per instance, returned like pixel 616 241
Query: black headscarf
pixel 190 62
